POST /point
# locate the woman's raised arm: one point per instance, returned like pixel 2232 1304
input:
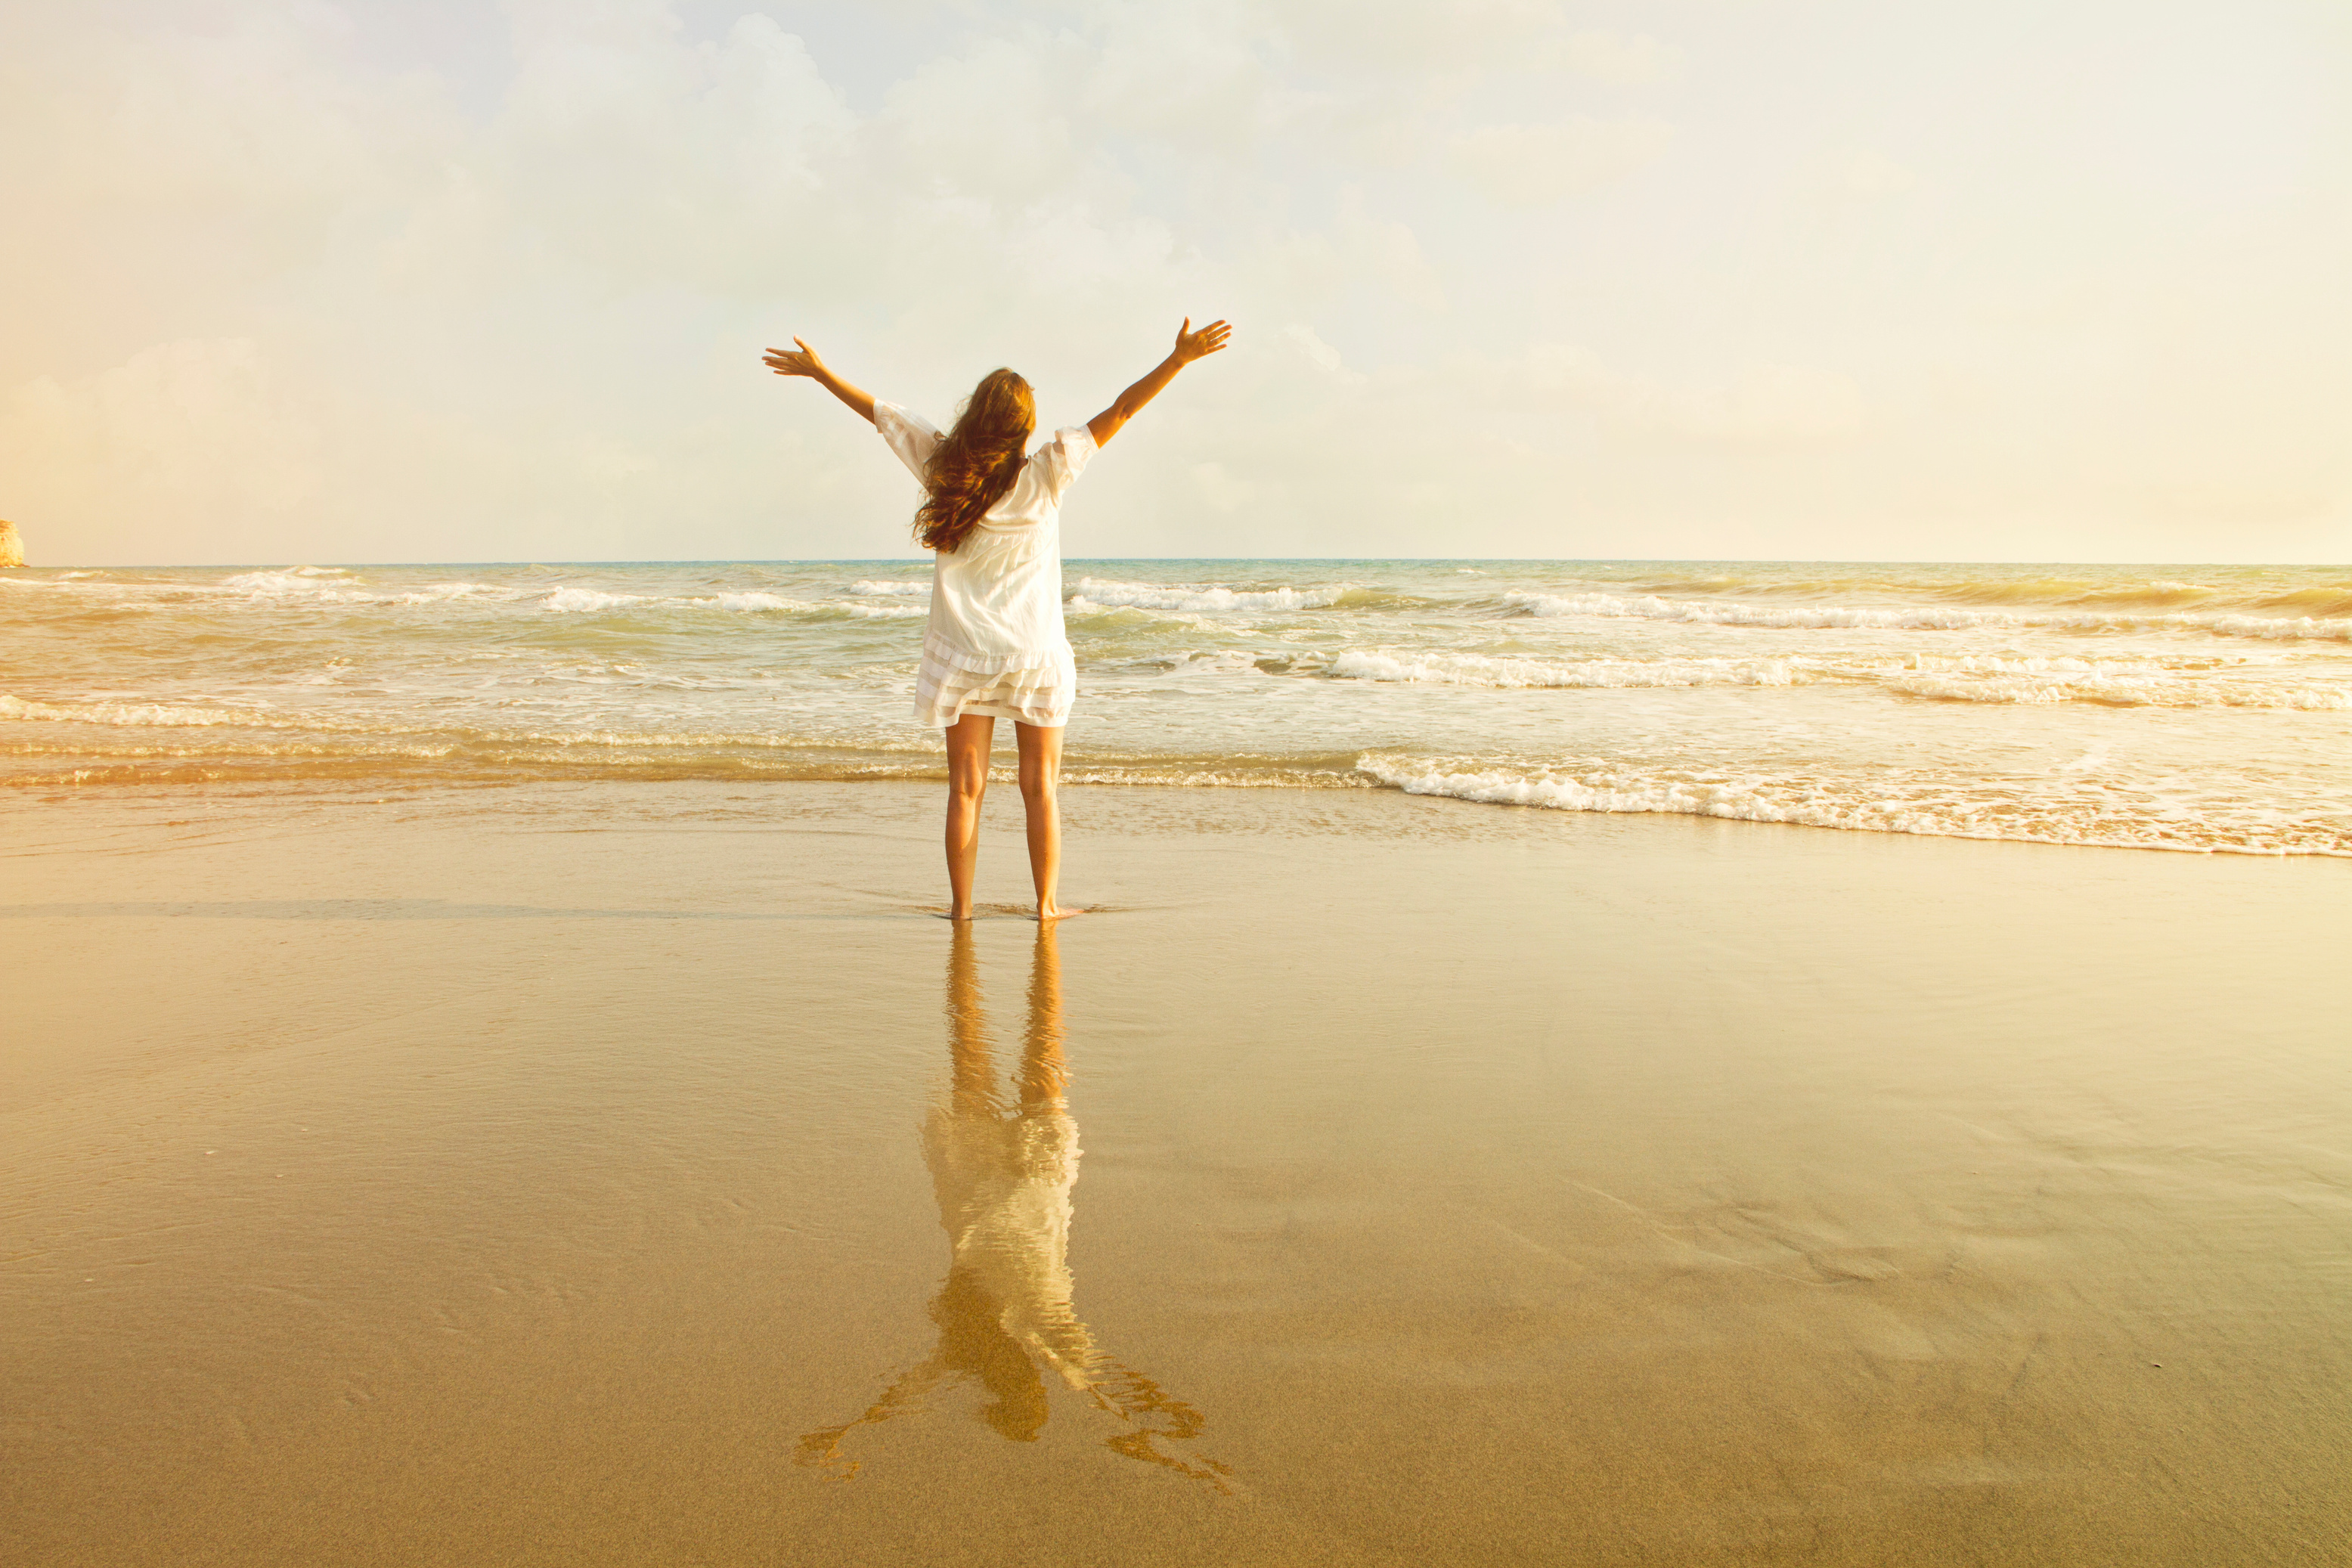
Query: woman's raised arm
pixel 1190 345
pixel 804 362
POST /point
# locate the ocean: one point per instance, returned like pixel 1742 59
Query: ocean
pixel 2185 707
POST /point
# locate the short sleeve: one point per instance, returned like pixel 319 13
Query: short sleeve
pixel 911 436
pixel 1065 458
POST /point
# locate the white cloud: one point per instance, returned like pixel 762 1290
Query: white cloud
pixel 1533 166
pixel 1321 355
pixel 1864 174
pixel 1387 250
pixel 249 116
pixel 1627 59
pixel 992 123
pixel 1221 490
pixel 187 441
pixel 269 295
pixel 659 160
pixel 1198 71
pixel 1443 34
pixel 1760 403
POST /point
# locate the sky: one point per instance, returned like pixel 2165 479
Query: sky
pixel 427 280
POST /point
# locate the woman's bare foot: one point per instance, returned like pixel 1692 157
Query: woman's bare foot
pixel 1058 912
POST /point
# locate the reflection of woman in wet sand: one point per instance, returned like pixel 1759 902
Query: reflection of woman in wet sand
pixel 1003 1174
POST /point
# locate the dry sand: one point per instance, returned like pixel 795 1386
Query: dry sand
pixel 523 1176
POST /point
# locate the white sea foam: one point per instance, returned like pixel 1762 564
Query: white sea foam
pixel 327 586
pixel 753 602
pixel 1221 661
pixel 163 716
pixel 440 592
pixel 273 587
pixel 2063 664
pixel 1597 791
pixel 2330 628
pixel 1914 674
pixel 1095 592
pixel 1954 807
pixel 1649 606
pixel 577 599
pixel 776 604
pixel 872 588
pixel 2122 691
pixel 141 715
pixel 288 582
pixel 1472 670
pixel 104 587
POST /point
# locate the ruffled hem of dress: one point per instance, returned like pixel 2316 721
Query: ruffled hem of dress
pixel 1042 697
pixel 1040 718
pixel 936 649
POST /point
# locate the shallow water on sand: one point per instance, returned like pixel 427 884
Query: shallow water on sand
pixel 634 1174
pixel 2200 708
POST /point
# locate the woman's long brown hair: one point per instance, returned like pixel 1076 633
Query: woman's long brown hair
pixel 978 461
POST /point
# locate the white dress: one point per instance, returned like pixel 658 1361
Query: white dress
pixel 994 643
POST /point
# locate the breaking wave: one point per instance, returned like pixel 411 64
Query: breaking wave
pixel 1944 806
pixel 2124 691
pixel 1511 674
pixel 578 600
pixel 1824 617
pixel 1092 593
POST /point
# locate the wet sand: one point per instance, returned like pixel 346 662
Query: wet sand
pixel 633 1174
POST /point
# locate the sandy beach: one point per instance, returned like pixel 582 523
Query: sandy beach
pixel 559 1173
pixel 1696 664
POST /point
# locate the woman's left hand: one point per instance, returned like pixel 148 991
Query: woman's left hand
pixel 804 361
pixel 1191 345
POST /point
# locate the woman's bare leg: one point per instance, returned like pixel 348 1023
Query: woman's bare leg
pixel 969 740
pixel 1041 779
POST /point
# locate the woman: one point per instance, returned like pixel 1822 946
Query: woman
pixel 994 647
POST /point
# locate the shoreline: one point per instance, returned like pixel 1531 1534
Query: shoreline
pixel 1540 797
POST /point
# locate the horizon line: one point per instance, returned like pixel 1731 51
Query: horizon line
pixel 1262 560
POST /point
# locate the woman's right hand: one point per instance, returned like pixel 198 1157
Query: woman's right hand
pixel 1191 345
pixel 786 362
